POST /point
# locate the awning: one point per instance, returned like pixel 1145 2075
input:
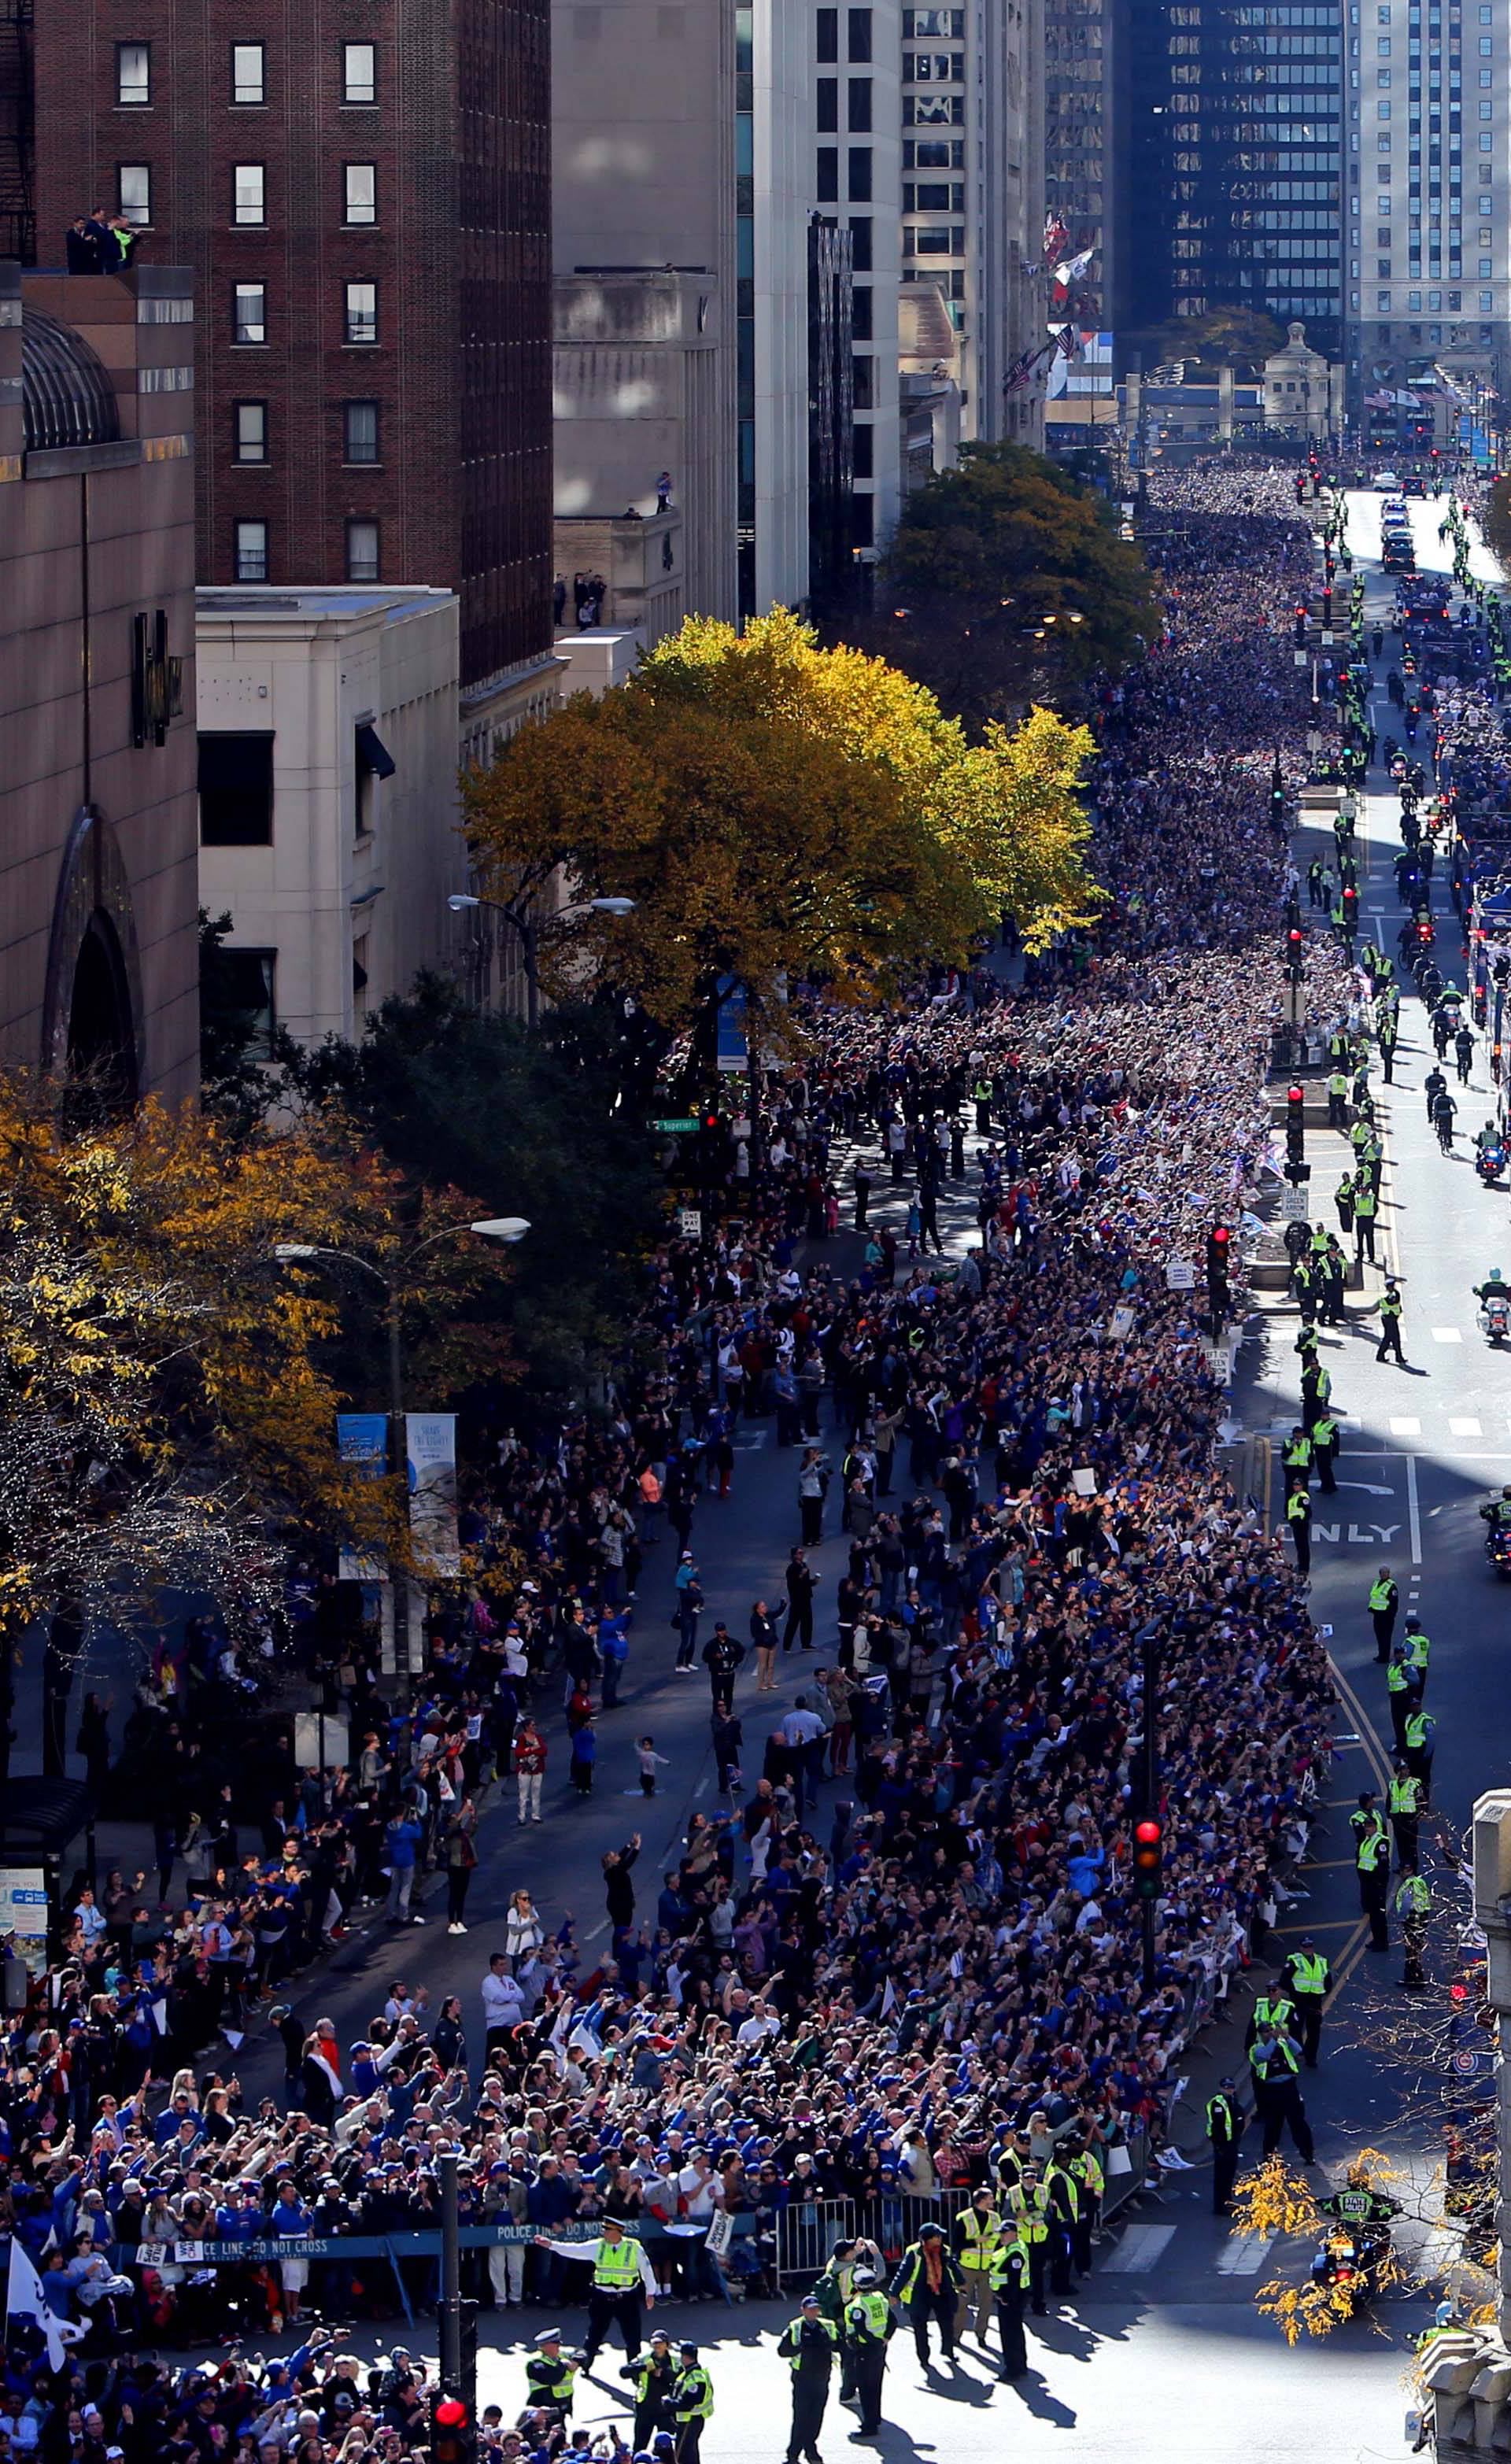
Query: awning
pixel 373 756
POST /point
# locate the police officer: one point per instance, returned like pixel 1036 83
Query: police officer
pixel 1325 1440
pixel 1405 1802
pixel 1372 1860
pixel 977 2231
pixel 868 2324
pixel 1308 1977
pixel 1401 1694
pixel 1028 2204
pixel 928 2285
pixel 652 2375
pixel 1273 2010
pixel 1421 1743
pixel 1418 1651
pixel 1297 1458
pixel 1065 2217
pixel 833 2290
pixel 691 2403
pixel 1390 1307
pixel 1365 1207
pixel 1009 2277
pixel 550 2374
pixel 809 2343
pixel 1276 2064
pixel 1385 1602
pixel 1085 2170
pixel 1414 1905
pixel 1225 2125
pixel 622 2280
pixel 1298 1522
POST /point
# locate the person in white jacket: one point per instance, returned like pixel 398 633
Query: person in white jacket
pixel 622 2288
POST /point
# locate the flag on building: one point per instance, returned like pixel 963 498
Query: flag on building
pixel 1073 267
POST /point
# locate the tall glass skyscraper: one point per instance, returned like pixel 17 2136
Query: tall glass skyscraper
pixel 1238 145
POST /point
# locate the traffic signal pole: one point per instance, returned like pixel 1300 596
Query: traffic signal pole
pixel 451 2278
pixel 1149 1788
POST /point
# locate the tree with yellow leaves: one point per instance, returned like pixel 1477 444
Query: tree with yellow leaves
pixel 168 1387
pixel 777 810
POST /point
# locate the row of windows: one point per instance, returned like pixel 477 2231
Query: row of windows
pixel 857 35
pixel 857 175
pixel 248 324
pixel 249 553
pixel 247 75
pixel 934 153
pixel 360 436
pixel 857 109
pixel 249 195
pixel 933 68
pixel 934 197
pixel 1434 299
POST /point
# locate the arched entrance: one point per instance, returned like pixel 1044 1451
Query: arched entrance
pixel 92 1018
pixel 102 1058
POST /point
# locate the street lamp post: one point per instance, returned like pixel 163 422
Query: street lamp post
pixel 504 1231
pixel 518 913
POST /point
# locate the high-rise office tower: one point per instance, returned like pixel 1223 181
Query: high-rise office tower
pixel 363 198
pixel 1236 173
pixel 1429 280
pixel 972 193
pixel 858 155
pixel 1086 139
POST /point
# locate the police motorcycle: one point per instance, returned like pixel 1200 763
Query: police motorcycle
pixel 1494 1308
pixel 1489 1161
pixel 1496 1516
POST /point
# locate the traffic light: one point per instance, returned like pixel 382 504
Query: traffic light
pixel 1219 1251
pixel 1300 629
pixel 1295 1124
pixel 453 2436
pixel 1149 1858
pixel 1350 908
pixel 1295 948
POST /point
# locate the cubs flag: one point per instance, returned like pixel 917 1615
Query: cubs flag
pixel 23 2300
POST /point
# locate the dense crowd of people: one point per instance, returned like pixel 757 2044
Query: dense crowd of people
pixel 914 1994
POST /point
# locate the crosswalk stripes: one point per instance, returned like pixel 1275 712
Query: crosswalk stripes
pixel 1139 2248
pixel 1245 2253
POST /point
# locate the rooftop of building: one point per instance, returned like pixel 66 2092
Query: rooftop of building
pixel 318 604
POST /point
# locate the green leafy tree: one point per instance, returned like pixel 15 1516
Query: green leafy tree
pixel 1007 582
pixel 1242 339
pixel 536 1124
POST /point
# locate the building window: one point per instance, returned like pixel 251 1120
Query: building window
pixel 361 312
pixel 826 98
pixel 361 193
pixel 861 314
pixel 134 187
pixel 360 431
pixel 858 33
pixel 826 26
pixel 134 76
pixel 362 551
pixel 250 431
pixel 860 175
pixel 864 452
pixel 251 552
pixel 247 74
pixel 249 185
pixel 859 106
pixel 861 242
pixel 1382 303
pixel 359 71
pixel 242 986
pixel 863 521
pixel 864 393
pixel 249 313
pixel 826 175
pixel 1487 300
pixel 235 790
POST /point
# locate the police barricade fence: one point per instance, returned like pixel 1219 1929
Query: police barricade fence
pixel 806 2236
pixel 184 2256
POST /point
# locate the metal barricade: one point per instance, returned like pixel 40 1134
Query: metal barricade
pixel 806 2236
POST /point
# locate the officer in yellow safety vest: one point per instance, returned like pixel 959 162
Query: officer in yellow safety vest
pixel 1031 2208
pixel 1372 1860
pixel 1401 1693
pixel 1276 2064
pixel 1418 1651
pixel 1308 1976
pixel 1299 1522
pixel 1271 2009
pixel 1224 2129
pixel 622 2279
pixel 1385 1600
pixel 1297 1458
pixel 691 2403
pixel 809 2342
pixel 976 2233
pixel 1086 2169
pixel 1009 2280
pixel 1405 1801
pixel 550 2374
pixel 1414 1905
pixel 869 2323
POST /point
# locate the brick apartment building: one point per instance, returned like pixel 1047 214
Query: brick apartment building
pixel 361 190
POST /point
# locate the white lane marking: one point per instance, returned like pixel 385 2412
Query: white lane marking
pixel 1245 2253
pixel 1406 1428
pixel 1414 1509
pixel 1138 2249
pixel 1447 1335
pixel 1466 1428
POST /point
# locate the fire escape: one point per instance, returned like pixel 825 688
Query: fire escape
pixel 17 161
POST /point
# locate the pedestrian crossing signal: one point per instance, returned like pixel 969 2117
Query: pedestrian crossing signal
pixel 1149 1858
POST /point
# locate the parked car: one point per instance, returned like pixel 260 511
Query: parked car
pixel 1387 484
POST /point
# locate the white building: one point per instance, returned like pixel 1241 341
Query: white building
pixel 972 193
pixel 328 731
pixel 1429 203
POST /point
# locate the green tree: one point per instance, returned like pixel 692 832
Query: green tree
pixel 1498 520
pixel 536 1124
pixel 1007 582
pixel 1225 337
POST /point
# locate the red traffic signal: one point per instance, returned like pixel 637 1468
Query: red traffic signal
pixel 1295 1099
pixel 1149 1857
pixel 711 1120
pixel 452 2433
pixel 451 2412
